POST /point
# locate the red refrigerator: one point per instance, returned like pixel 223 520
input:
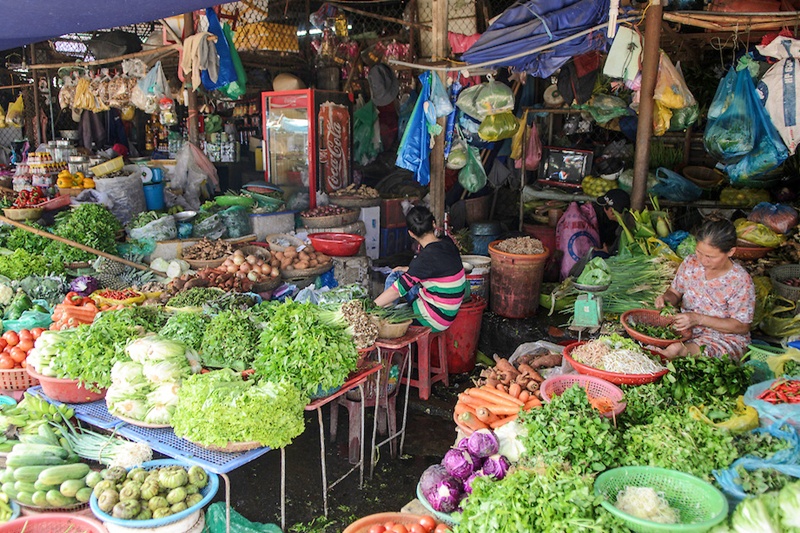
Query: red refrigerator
pixel 307 140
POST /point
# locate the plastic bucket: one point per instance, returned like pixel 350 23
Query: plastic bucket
pixel 479 277
pixel 515 282
pixel 154 196
pixel 461 338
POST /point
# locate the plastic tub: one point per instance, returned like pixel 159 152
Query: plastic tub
pixel 154 196
pixel 363 525
pixel 516 282
pixel 112 165
pixel 336 244
pixel 461 338
pixel 53 523
pixel 66 390
pixel 479 277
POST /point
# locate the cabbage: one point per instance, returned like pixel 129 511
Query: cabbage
pixel 431 477
pixel 753 516
pixel 159 414
pixel 483 443
pixel 445 496
pixel 508 437
pixel 166 371
pixel 468 483
pixel 118 392
pixel 789 502
pixel 135 409
pixel 128 372
pixel 164 394
pixel 161 349
pixel 84 285
pixel 458 463
pixel 496 466
pixel 139 349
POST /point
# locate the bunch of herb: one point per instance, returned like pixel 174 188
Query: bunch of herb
pixel 706 380
pixel 295 344
pixel 761 480
pixel 759 443
pixel 144 218
pixel 230 341
pixel 88 224
pixel 676 440
pixel 545 499
pixel 219 407
pixel 30 242
pixel 231 301
pixel 188 328
pixel 645 402
pixel 195 297
pixel 20 264
pixel 584 440
pixel 791 368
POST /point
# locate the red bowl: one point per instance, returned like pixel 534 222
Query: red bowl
pixel 612 377
pixel 336 244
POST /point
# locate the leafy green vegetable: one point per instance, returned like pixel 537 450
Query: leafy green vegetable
pixel 195 297
pixel 52 289
pixel 144 218
pixel 706 380
pixel 30 242
pixel 230 341
pixel 295 344
pixel 759 443
pixel 220 407
pixel 20 264
pixel 595 273
pixel 187 328
pixel 676 440
pixel 645 402
pixel 584 440
pixel 761 480
pixel 89 224
pixel 536 500
pixel 657 332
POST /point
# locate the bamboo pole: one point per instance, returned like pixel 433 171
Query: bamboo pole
pixel 77 245
pixel 193 120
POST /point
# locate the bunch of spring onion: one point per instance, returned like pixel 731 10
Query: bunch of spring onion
pixel 394 315
pixel 106 449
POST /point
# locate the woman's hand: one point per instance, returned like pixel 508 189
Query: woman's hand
pixel 686 321
pixel 400 269
pixel 660 303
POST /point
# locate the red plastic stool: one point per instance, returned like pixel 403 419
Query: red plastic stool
pixel 427 372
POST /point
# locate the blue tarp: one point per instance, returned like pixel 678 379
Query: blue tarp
pixel 33 21
pixel 534 23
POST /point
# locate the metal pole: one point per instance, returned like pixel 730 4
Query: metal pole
pixel 644 130
pixel 193 121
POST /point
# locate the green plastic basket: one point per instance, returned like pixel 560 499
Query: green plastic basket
pixel 760 352
pixel 701 506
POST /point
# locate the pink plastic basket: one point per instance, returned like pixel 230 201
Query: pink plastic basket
pixel 53 523
pixel 595 388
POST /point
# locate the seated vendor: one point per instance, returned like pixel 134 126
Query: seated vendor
pixel 608 226
pixel 716 297
pixel 434 281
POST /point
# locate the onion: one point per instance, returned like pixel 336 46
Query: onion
pixel 238 259
pixel 251 259
pixel 275 273
pixel 240 275
pixel 253 276
pixel 239 253
pixel 231 269
pixel 256 269
pixel 259 262
pixel 244 267
pixel 228 262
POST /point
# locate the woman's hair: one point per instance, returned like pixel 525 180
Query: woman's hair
pixel 419 221
pixel 719 233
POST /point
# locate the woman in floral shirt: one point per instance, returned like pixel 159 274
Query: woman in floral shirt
pixel 716 296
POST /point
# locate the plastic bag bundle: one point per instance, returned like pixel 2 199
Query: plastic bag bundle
pixel 604 107
pixel 237 221
pixel 742 197
pixel 671 89
pixel 473 176
pixel 756 233
pixel 162 229
pixel 533 152
pixel 732 135
pixel 150 89
pixel 457 158
pixel 498 127
pixel 126 193
pixel 779 218
pixel 744 418
pixel 212 227
pixel 780 321
pixel 489 98
pixel 672 186
pixel 684 117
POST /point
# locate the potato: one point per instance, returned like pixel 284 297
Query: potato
pixel 303 256
pixel 322 258
pixel 313 263
pixel 286 263
pixel 309 249
pixel 275 263
pixel 302 265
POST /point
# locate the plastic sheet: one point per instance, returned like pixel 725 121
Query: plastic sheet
pixel 213 228
pixel 216 522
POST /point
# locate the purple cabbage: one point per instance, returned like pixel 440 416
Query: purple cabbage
pixel 483 443
pixel 84 285
pixel 446 496
pixel 468 483
pixel 496 466
pixel 431 477
pixel 459 463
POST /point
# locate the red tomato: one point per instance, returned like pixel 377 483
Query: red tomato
pixel 399 528
pixel 25 345
pixel 377 528
pixel 417 528
pixel 3 343
pixel 441 528
pixel 11 338
pixel 6 362
pixel 36 332
pixel 388 525
pixel 24 334
pixel 17 354
pixel 428 523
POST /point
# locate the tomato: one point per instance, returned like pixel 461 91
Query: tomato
pixel 6 362
pixel 25 345
pixel 3 343
pixel 399 528
pixel 36 332
pixel 428 523
pixel 377 528
pixel 24 335
pixel 441 528
pixel 388 525
pixel 17 354
pixel 11 338
pixel 417 528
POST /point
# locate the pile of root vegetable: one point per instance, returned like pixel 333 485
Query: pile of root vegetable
pixel 525 374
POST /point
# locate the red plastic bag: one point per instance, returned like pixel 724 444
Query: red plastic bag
pixel 576 234
pixel 533 151
pixel 777 217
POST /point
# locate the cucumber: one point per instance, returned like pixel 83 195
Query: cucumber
pixel 48 435
pixel 10 491
pixel 71 487
pixel 56 499
pixel 15 460
pixel 8 475
pixel 93 478
pixel 33 449
pixel 25 498
pixel 28 473
pixel 34 439
pixel 24 486
pixel 40 499
pixel 83 495
pixel 59 474
pixel 38 485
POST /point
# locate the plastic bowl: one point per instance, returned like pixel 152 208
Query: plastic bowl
pixel 651 318
pixel 66 390
pixel 53 523
pixel 208 492
pixel 612 377
pixel 363 524
pixel 336 244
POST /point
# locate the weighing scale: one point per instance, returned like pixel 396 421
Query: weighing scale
pixel 588 313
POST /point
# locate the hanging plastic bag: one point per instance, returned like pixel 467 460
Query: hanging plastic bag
pixel 779 218
pixel 672 186
pixel 457 158
pixel 722 97
pixel 604 107
pixel 671 89
pixel 149 90
pixel 473 176
pixel 235 89
pixel 760 167
pixel 576 234
pixel 684 117
pixel 162 229
pixel 439 97
pixel 733 134
pixel 516 140
pixel 756 233
pixel 16 109
pixel 533 152
pixel 662 117
pixel 414 151
pixel 490 98
pixel 498 127
pixel 744 417
pixel 227 72
pixel 366 137
pixel 779 88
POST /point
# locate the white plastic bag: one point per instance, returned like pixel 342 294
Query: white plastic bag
pixel 150 89
pixel 127 194
pixel 779 89
pixel 192 170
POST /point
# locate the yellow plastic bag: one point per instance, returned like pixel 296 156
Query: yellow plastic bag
pixel 763 291
pixel 498 127
pixel 516 141
pixel 661 119
pixel 777 362
pixel 757 233
pixel 2 115
pixel 656 247
pixel 15 112
pixel 744 417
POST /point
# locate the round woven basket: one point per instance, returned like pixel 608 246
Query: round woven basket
pixel 387 330
pixel 779 274
pixel 199 264
pixel 650 318
pixel 291 273
pixel 354 201
pixel 595 388
pixel 30 213
pixel 612 377
pixel 273 239
pixel 16 379
pixel 258 251
pixel 332 221
pixel 703 177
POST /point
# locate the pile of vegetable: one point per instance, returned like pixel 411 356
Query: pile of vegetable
pixel 207 250
pixel 772 512
pixel 250 266
pixel 325 211
pixel 356 191
pixel 26 417
pixel 780 392
pixel 194 297
pixel 706 380
pixel 140 494
pixel 525 375
pixel 145 388
pixel 521 246
pixel 351 315
pixel 296 345
pixel 656 332
pixel 186 327
pixel 15 347
pixel 73 311
pixel 491 407
pixel 220 407
pixel 613 353
pixel 427 524
pixel 88 224
pixel 595 274
pixel 230 341
pixel 30 242
pixel 20 264
pixel 298 259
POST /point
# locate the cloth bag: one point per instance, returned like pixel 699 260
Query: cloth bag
pixel 576 234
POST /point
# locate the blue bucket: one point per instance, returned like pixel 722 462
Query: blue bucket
pixel 154 196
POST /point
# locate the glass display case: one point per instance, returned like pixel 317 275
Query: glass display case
pixel 307 138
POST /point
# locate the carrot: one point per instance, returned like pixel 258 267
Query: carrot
pixel 492 382
pixel 502 387
pixel 462 408
pixel 531 403
pixel 504 396
pixel 524 396
pixel 485 415
pixel 502 410
pixel 493 396
pixel 527 369
pixel 471 421
pixel 467 399
pixel 514 390
pixel 502 421
pixel 502 365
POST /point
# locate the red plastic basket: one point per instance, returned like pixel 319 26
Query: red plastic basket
pixel 613 377
pixel 595 388
pixel 336 244
pixel 651 318
pixel 14 379
pixel 66 390
pixel 53 523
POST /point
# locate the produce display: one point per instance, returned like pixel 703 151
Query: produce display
pixel 188 328
pixel 29 198
pixel 207 250
pixel 140 494
pixel 491 407
pixel 230 341
pixel 15 347
pixel 88 224
pixel 782 391
pixel 771 512
pixel 325 211
pixel 20 264
pixel 25 418
pixel 351 315
pixel 597 186
pixel 355 191
pixel 521 246
pixel 254 268
pixel 297 259
pixel 616 354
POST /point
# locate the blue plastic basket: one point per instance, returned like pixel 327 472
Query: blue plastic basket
pixel 451 519
pixel 208 492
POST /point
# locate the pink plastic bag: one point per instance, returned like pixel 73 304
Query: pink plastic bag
pixel 533 152
pixel 576 233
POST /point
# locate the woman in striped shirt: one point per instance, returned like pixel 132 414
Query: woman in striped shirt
pixel 435 279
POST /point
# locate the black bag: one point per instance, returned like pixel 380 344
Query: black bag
pixel 113 44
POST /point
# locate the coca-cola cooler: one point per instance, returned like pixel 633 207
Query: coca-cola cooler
pixel 307 137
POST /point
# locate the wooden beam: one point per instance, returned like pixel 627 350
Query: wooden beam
pixel 644 129
pixel 144 53
pixel 193 121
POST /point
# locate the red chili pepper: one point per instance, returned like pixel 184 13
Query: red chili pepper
pixel 72 298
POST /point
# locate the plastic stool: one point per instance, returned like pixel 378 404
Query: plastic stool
pixel 427 373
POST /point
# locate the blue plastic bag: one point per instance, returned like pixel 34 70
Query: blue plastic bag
pixel 731 135
pixel 786 412
pixel 227 72
pixel 672 186
pixel 675 238
pixel 415 152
